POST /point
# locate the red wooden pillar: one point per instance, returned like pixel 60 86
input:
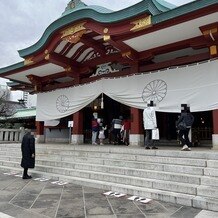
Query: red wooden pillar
pixel 215 129
pixel 136 131
pixel 40 138
pixel 77 131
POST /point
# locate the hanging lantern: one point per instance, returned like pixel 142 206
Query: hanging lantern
pixel 102 101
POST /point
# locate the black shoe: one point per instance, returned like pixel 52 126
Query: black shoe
pixel 147 147
pixel 27 177
pixel 154 147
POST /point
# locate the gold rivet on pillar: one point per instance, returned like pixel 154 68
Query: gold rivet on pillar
pixel 106 36
pixel 213 50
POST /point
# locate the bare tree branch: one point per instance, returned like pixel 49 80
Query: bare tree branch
pixel 6 108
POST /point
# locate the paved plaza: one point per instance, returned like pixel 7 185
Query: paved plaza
pixel 49 198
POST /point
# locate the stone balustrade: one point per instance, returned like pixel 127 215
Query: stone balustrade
pixel 11 135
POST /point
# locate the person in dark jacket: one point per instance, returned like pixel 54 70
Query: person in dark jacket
pixel 95 130
pixel 117 125
pixel 187 118
pixel 28 153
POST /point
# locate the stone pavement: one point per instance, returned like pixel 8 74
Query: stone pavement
pixel 49 198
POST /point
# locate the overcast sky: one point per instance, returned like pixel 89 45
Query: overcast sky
pixel 24 21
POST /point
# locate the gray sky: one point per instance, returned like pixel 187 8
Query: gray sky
pixel 23 22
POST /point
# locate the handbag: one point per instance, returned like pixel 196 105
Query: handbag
pixel 181 125
pixel 155 134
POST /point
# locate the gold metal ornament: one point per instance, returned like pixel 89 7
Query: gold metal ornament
pixel 68 69
pixel 74 29
pixel 47 57
pixel 141 23
pixel 213 50
pixel 75 37
pixel 28 61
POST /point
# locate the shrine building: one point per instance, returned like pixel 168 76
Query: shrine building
pixel 95 60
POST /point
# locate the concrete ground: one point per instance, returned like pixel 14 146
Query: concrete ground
pixel 48 198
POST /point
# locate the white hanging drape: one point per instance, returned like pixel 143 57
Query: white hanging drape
pixel 196 85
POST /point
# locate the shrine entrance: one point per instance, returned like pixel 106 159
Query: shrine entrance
pixel 201 131
pixel 106 111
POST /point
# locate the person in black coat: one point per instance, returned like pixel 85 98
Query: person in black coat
pixel 28 153
pixel 187 118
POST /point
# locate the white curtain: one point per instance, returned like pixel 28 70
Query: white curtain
pixel 196 85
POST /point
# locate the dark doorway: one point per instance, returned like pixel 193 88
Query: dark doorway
pixel 202 128
pixel 112 109
pixel 166 123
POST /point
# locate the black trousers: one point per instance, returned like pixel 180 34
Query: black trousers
pixel 148 138
pixel 25 172
pixel 183 137
pixel 117 136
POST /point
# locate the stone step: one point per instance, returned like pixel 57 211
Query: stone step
pixel 207 191
pixel 131 157
pixel 206 155
pixel 126 178
pixel 99 150
pixel 188 178
pixel 209 181
pixel 143 165
pixel 155 194
pixel 125 170
pixel 212 163
pixel 145 173
pixel 67 155
pixel 179 198
pixel 206 203
pixel 213 172
pixel 117 163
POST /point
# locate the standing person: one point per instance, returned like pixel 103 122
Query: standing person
pixel 28 153
pixel 126 130
pixel 186 119
pixel 95 129
pixel 117 125
pixel 101 135
pixel 150 123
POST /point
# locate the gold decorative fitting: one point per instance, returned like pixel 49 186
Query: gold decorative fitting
pixel 47 57
pixel 30 77
pixel 72 5
pixel 126 54
pixel 73 29
pixel 46 51
pixel 105 30
pixel 28 61
pixel 75 37
pixel 213 50
pixel 68 69
pixel 141 23
pixel 210 31
pixel 107 38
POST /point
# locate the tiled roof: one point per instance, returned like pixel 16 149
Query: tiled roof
pixel 24 113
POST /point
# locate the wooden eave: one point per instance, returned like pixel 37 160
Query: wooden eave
pixel 84 31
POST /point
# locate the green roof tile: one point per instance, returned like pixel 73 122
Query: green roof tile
pixel 24 113
pixel 159 9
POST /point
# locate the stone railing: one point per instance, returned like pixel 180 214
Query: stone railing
pixel 11 135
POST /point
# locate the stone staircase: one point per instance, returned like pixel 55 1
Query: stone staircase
pixel 187 178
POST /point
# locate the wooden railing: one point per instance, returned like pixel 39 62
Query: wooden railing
pixel 11 135
pixel 202 133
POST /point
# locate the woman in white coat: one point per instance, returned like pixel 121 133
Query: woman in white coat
pixel 150 123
